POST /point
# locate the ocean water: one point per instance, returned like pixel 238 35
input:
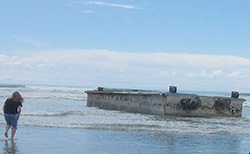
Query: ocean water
pixel 66 108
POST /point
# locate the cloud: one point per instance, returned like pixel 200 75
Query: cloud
pixel 111 5
pixel 234 74
pixel 29 40
pixel 216 73
pixel 127 70
pixel 3 56
pixel 69 5
pixel 88 11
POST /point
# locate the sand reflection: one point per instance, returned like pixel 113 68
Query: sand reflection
pixel 10 147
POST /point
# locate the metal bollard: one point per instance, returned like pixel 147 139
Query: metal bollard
pixel 172 89
pixel 100 88
pixel 235 94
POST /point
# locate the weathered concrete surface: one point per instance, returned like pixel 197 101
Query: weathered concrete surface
pixel 203 106
pixel 163 104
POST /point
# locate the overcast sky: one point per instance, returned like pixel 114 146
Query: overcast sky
pixel 195 45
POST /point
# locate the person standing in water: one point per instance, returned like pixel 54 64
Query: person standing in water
pixel 12 110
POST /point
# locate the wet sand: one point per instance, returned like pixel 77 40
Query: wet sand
pixel 39 140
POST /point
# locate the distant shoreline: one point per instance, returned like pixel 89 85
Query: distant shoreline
pixel 11 86
pixel 6 85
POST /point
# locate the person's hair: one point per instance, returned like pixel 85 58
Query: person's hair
pixel 16 96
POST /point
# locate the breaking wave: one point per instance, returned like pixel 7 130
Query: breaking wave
pixel 65 107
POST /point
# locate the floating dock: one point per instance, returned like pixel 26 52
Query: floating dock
pixel 165 103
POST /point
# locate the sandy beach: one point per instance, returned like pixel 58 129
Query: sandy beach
pixel 39 140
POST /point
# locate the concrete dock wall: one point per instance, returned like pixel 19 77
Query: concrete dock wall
pixel 144 103
pixel 157 103
pixel 203 106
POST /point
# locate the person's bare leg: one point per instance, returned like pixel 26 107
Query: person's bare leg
pixel 6 130
pixel 13 133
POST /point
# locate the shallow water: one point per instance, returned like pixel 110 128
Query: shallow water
pixel 42 140
pixel 65 107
